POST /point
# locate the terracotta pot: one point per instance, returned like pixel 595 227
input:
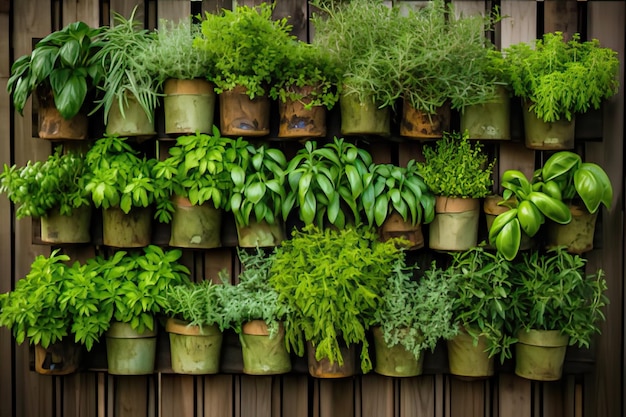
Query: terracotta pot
pixel 489 120
pixel 195 226
pixel 298 121
pixel 577 235
pixel 242 116
pixel 188 106
pixel 467 360
pixel 325 369
pixel 74 228
pixel 395 361
pixel 130 352
pixel 194 350
pixel 455 226
pixel 363 118
pixel 544 136
pixel 420 125
pixel 395 227
pixel 132 230
pixel 133 122
pixel 263 355
pixel 53 126
pixel 60 358
pixel 260 234
pixel 540 354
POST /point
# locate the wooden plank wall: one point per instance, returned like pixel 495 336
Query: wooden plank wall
pixel 95 393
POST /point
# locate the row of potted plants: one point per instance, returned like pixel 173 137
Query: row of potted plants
pixel 368 53
pixel 321 292
pixel 334 184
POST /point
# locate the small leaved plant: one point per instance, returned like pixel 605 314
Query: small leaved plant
pixel 551 291
pixel 332 281
pixel 560 78
pixel 119 175
pixel 198 304
pixel 38 187
pixel 415 314
pixel 457 168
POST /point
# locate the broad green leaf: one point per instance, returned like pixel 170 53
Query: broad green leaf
pixel 255 192
pixel 238 175
pixel 530 217
pixel 381 209
pixel 552 208
pixel 593 186
pixel 559 163
pixel 70 53
pixel 70 99
pixel 499 222
pixel 509 239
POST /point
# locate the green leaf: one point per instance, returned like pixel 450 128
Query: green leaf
pixel 593 186
pixel 381 209
pixel 70 98
pixel 70 53
pixel 530 217
pixel 238 175
pixel 552 208
pixel 509 239
pixel 255 192
pixel 559 163
pixel 42 61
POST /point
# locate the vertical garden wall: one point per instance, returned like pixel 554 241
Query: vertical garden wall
pixel 593 379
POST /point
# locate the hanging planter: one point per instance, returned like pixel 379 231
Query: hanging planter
pixel 325 369
pixel 260 234
pixel 134 121
pixel 242 116
pixel 75 228
pixel 490 120
pixel 130 352
pixel 546 136
pixel 195 226
pixel 455 227
pixel 418 124
pixel 263 355
pixel 60 358
pixel 395 227
pixel 188 106
pixel 53 126
pixel 539 354
pixel 132 230
pixel 298 121
pixel 363 118
pixel 395 361
pixel 577 235
pixel 468 360
pixel 194 349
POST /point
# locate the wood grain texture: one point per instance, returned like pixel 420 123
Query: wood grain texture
pixel 80 10
pixel 177 394
pixel 130 397
pixel 562 16
pixel 79 395
pixel 295 399
pixel 334 397
pixel 255 396
pixel 173 10
pixel 514 396
pixel 418 397
pixel 606 23
pixel 520 25
pixel 467 398
pixel 125 8
pixel 296 12
pixel 216 6
pixel 377 396
pixel 218 396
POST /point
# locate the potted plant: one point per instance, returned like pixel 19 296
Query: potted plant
pixel 130 89
pixel 257 195
pixel 54 191
pixel 194 184
pixel 305 86
pixel 326 183
pixel 528 207
pixel 557 79
pixel 134 287
pixel 413 316
pixel 182 72
pixel 331 281
pixel 121 182
pixel 397 201
pixel 584 186
pixel 481 307
pixel 248 49
pixel 49 307
pixel 356 34
pixel 557 304
pixel 197 319
pixel 458 173
pixel 63 71
pixel 257 315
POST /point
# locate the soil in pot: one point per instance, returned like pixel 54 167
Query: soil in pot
pixel 420 125
pixel 130 352
pixel 262 355
pixel 188 106
pixel 539 354
pixel 577 235
pixel 467 360
pixel 363 118
pixel 455 226
pixel 489 120
pixel 546 136
pixel 132 230
pixel 60 358
pixel 242 116
pixel 193 349
pixel 396 360
pixel 298 121
pixel 195 226
pixel 75 228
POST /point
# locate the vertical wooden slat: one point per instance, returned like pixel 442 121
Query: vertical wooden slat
pixel 520 25
pixel 216 6
pixel 418 397
pixel 173 10
pixel 177 396
pixel 295 395
pixel 606 23
pixel 336 398
pixel 218 396
pixel 297 13
pixel 552 399
pixel 125 8
pixel 562 16
pixel 78 10
pixel 79 395
pixel 131 396
pixel 467 398
pixel 256 396
pixel 514 396
pixel 469 7
pixel 377 396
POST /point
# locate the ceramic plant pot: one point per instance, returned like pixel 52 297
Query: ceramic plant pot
pixel 417 124
pixel 539 354
pixel 133 121
pixel 193 349
pixel 489 121
pixel 195 226
pixel 60 358
pixel 130 352
pixel 545 136
pixel 395 361
pixel 455 226
pixel 395 227
pixel 75 228
pixel 467 360
pixel 263 355
pixel 53 126
pixel 363 118
pixel 132 230
pixel 242 116
pixel 188 106
pixel 298 121
pixel 577 235
pixel 260 234
pixel 325 369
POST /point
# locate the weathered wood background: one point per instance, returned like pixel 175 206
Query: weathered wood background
pixel 593 383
